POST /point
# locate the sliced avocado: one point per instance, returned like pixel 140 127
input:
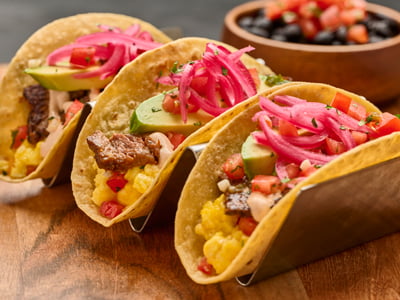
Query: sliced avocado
pixel 257 159
pixel 62 78
pixel 149 116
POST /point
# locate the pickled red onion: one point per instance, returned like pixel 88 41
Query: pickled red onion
pixel 113 45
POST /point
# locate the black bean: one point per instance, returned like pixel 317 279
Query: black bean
pixel 324 37
pixel 258 31
pixel 292 32
pixel 263 23
pixel 279 37
pixel 375 38
pixel 341 34
pixel 245 22
pixel 381 28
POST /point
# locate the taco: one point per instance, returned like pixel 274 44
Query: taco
pixel 61 66
pixel 245 182
pixel 169 98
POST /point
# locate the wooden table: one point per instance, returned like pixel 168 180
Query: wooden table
pixel 51 250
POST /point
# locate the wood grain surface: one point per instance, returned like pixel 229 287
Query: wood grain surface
pixel 51 250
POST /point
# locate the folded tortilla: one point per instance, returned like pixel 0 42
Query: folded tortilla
pixel 113 110
pixel 201 185
pixel 15 109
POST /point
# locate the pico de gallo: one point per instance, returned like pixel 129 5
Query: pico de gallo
pixel 326 22
pixel 211 85
pixel 302 137
pixel 96 55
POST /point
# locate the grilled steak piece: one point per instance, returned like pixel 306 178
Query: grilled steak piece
pixel 123 151
pixel 236 204
pixel 38 98
pixel 81 95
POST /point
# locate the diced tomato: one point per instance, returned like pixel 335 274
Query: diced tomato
pixel 205 267
pixel 292 170
pixel 330 18
pixel 351 16
pixel 359 4
pixel 358 33
pixel 234 167
pixel 82 57
pixel 116 182
pixel 266 184
pixel 389 123
pixel 247 225
pixel 171 103
pixel 341 102
pixel 199 84
pixel 309 10
pixel 254 75
pixel 175 138
pixel 72 110
pixel 274 9
pixel 307 171
pixel 287 129
pixel 111 209
pixel 359 137
pixel 357 111
pixel 334 147
pixel 309 28
pixel 19 135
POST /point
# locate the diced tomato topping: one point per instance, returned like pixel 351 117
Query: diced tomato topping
pixel 111 209
pixel 287 129
pixel 254 75
pixel 205 267
pixel 75 107
pixel 341 102
pixel 389 123
pixel 199 84
pixel 247 225
pixel 274 9
pixel 307 171
pixel 171 103
pixel 234 167
pixel 175 138
pixel 334 147
pixel 330 18
pixel 266 184
pixel 358 33
pixel 116 182
pixel 357 111
pixel 82 57
pixel 359 137
pixel 309 28
pixel 19 135
pixel 292 170
pixel 351 16
pixel 309 10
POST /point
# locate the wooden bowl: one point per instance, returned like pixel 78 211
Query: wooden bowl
pixel 371 70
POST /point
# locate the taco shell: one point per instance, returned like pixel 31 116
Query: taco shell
pixel 201 184
pixel 112 112
pixel 15 109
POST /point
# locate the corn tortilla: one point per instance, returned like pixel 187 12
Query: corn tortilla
pixel 114 107
pixel 15 109
pixel 201 184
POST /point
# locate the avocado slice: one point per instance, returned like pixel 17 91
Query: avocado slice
pixel 149 116
pixel 62 78
pixel 257 159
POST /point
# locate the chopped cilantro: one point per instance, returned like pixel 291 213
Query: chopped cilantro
pixel 285 180
pixel 224 71
pixel 314 123
pixel 155 109
pixel 176 68
pixel 342 127
pixel 272 80
pixel 198 123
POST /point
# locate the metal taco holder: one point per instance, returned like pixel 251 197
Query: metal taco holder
pixel 325 219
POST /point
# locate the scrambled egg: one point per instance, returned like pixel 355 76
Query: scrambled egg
pixel 224 239
pixel 26 155
pixel 139 180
